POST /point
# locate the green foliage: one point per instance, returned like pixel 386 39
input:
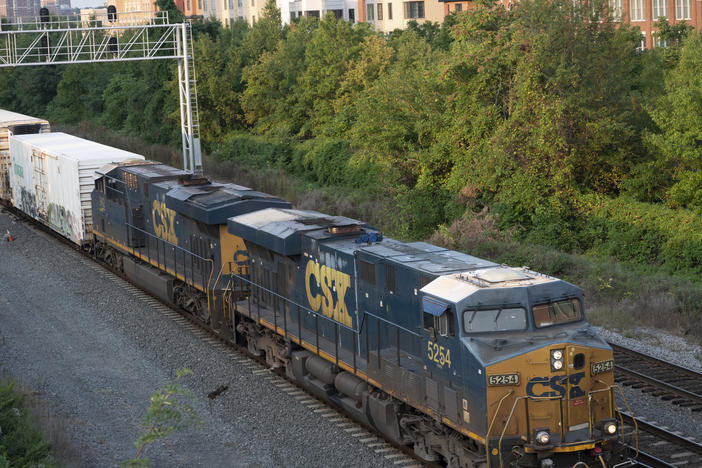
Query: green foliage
pixel 168 411
pixel 21 441
pixel 678 115
pixel 252 150
pixel 543 114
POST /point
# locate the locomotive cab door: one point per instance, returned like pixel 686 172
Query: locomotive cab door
pixel 441 353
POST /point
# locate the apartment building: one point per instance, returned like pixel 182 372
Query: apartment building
pixel 19 9
pixel 190 8
pixel 645 14
pixel 389 15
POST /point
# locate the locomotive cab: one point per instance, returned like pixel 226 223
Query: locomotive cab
pixel 530 364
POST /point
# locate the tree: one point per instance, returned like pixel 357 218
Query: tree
pixel 264 34
pixel 678 114
pixel 544 92
pixel 271 98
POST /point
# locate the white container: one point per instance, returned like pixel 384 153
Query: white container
pixel 9 121
pixel 52 179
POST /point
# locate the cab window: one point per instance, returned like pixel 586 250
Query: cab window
pixel 555 313
pixel 494 320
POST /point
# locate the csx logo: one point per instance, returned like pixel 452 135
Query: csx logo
pixel 556 386
pixel 164 222
pixel 331 298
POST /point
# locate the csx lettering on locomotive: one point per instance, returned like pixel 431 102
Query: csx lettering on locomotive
pixel 556 386
pixel 331 299
pixel 164 222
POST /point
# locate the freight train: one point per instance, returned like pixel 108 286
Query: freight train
pixel 469 363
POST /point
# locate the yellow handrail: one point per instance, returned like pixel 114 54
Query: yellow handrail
pixel 487 438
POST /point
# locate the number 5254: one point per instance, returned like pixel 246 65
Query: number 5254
pixel 438 354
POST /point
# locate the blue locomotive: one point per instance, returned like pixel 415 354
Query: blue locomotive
pixel 471 363
pixel 167 231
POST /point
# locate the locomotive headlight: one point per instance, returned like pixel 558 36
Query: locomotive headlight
pixel 556 359
pixel 543 437
pixel 609 428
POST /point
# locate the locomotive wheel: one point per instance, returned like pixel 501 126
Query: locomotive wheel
pixel 201 310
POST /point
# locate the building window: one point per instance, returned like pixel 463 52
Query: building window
pixel 642 43
pixel 240 3
pixel 682 9
pixel 370 12
pixel 199 4
pixel 231 4
pixel 338 14
pixel 658 42
pixel 380 11
pixel 615 9
pixel 660 8
pixel 352 15
pixel 459 7
pixel 414 10
pixel 188 7
pixel 389 11
pixel 636 8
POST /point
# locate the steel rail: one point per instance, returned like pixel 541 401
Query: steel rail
pixel 666 386
pixel 678 442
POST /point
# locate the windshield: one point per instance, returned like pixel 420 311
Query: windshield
pixel 555 313
pixel 492 320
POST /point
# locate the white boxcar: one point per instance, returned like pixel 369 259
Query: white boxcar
pixel 52 178
pixel 14 123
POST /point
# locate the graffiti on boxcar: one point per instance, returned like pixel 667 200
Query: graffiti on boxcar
pixel 28 203
pixel 62 220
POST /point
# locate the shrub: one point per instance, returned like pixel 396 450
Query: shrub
pixel 647 234
pixel 21 441
pixel 255 151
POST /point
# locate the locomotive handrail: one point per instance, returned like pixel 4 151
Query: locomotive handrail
pixel 621 418
pixel 174 246
pixel 514 406
pixel 487 445
pixel 390 323
pixel 290 301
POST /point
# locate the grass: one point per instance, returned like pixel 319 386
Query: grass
pixel 618 295
pixel 31 435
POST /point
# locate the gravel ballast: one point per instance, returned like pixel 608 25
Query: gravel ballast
pixel 94 354
pixel 670 348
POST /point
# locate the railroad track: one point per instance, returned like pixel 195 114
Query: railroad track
pixel 660 447
pixel 662 379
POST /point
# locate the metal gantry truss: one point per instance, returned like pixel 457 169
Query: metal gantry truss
pixel 130 37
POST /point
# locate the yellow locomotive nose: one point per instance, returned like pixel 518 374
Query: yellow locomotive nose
pixel 563 400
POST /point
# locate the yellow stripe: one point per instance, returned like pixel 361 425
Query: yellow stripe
pixel 313 348
pixel 148 260
pixel 566 448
